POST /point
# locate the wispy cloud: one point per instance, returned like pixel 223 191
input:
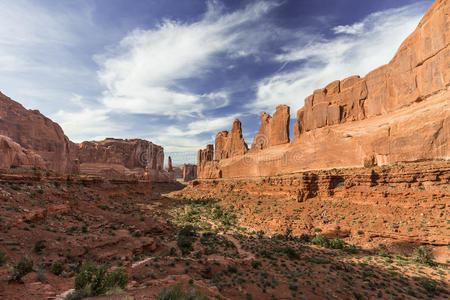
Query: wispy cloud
pixel 145 73
pixel 354 49
pixel 180 82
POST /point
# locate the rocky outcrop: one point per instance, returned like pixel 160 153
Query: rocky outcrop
pixel 33 140
pixel 33 131
pixel 229 144
pixel 338 102
pixel 169 164
pixel 205 163
pixel 116 157
pixel 273 131
pixel 12 154
pixel 189 172
pixel 399 112
pixel 419 69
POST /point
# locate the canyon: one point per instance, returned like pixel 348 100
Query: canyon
pixel 354 206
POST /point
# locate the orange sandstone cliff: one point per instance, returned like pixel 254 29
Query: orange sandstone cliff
pixel 399 112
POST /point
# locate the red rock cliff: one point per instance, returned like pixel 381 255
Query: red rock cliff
pixel 398 112
pixel 28 138
pixel 127 157
pixel 33 131
pixel 273 131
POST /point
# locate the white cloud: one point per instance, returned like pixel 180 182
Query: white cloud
pixel 142 75
pixel 149 71
pixel 87 121
pixel 355 49
pixel 356 28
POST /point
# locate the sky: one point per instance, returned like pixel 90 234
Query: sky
pixel 177 72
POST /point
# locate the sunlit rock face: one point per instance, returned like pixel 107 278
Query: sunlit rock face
pixel 399 112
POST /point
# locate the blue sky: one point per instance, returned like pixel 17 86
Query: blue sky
pixel 177 72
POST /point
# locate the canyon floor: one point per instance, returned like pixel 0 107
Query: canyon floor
pixel 351 235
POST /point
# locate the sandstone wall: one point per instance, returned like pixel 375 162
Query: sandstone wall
pixel 273 130
pixel 231 143
pixel 398 112
pixel 134 157
pixel 33 131
pixel 189 172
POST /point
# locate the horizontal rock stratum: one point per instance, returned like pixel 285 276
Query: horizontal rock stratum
pixel 399 112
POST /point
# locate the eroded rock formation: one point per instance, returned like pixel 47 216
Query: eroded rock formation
pixel 273 130
pixel 115 157
pixel 400 112
pixel 12 154
pixel 229 144
pixel 189 172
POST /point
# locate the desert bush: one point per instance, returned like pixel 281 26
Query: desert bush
pixel 94 281
pixel 15 187
pixel 57 268
pixel 178 292
pixel 337 244
pixel 255 264
pixel 352 249
pixel 185 238
pixel 3 257
pixel 39 246
pixel 21 268
pixel 41 275
pixel 304 238
pixel 423 255
pixel 291 253
pixel 321 240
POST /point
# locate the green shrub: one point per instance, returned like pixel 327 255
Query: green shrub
pixel 39 246
pixel 304 238
pixel 15 187
pixel 185 238
pixel 3 257
pixel 96 281
pixel 232 269
pixel 291 253
pixel 255 264
pixel 57 268
pixel 22 268
pixel 321 241
pixel 178 292
pixel 337 244
pixel 352 249
pixel 423 255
